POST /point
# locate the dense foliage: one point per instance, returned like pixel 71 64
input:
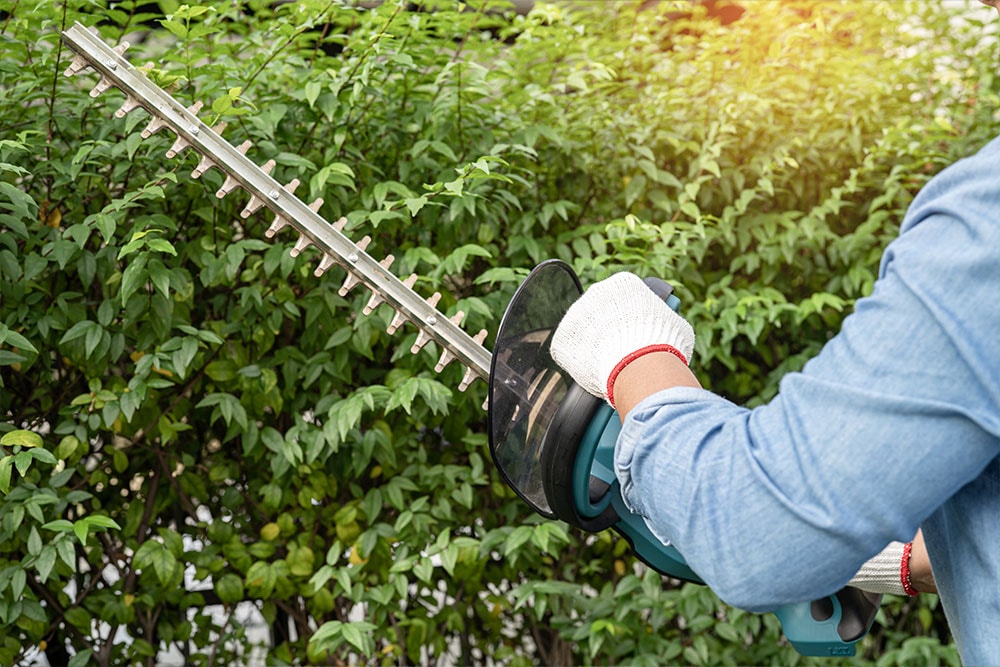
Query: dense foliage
pixel 193 423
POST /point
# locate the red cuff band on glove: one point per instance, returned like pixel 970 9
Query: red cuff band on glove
pixel 904 571
pixel 662 347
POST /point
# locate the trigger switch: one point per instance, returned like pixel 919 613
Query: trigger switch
pixel 821 610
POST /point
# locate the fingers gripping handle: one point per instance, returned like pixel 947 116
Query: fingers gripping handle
pixel 614 322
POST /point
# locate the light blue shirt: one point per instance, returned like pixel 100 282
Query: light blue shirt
pixel 893 426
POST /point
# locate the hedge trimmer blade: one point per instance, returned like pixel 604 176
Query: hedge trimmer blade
pixel 289 211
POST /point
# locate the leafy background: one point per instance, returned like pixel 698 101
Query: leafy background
pixel 194 425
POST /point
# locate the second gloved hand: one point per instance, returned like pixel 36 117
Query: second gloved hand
pixel 615 322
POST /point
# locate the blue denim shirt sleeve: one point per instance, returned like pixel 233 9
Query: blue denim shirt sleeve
pixel 896 415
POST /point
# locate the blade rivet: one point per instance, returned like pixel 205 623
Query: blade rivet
pixel 112 64
pixel 273 194
pixel 432 320
pixel 353 257
pixel 194 130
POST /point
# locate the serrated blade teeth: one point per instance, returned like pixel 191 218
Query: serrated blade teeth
pixel 196 107
pixel 129 104
pixel 291 185
pixel 446 358
pixel 277 225
pixel 324 265
pixel 179 145
pixel 315 206
pixel 221 126
pixel 467 379
pixel 252 206
pixel 102 85
pixel 351 279
pixel 121 48
pixel 373 303
pixel 470 375
pixel 377 299
pixel 339 225
pixel 204 165
pixel 422 339
pixel 78 65
pixel 300 245
pixel 349 283
pixel 267 166
pixel 155 125
pixel 228 186
pixel 398 320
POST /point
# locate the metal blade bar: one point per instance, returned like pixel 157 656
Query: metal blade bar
pixel 115 70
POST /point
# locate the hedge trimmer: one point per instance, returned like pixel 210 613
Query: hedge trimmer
pixel 552 441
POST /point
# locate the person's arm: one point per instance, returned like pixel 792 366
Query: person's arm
pixel 648 375
pixel 921 575
pixel 897 413
pixel 658 371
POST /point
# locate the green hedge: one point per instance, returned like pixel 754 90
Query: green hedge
pixel 194 423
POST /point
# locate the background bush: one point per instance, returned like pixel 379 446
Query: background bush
pixel 193 423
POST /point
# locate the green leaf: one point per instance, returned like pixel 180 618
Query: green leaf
pixel 328 635
pixel 156 554
pixel 59 525
pixel 81 529
pixel 17 582
pixel 159 275
pixel 229 588
pixel 23 438
pixel 6 468
pixel 358 635
pixel 312 90
pixel 100 521
pixel 223 370
pixel 183 356
pixel 178 28
pixel 66 553
pixel 518 537
pixel 414 204
pixel 78 330
pixel 34 542
pixel 22 461
pixel 15 339
pixel 81 658
pixel 134 277
pixel 261 578
pixel 46 561
pixel 43 455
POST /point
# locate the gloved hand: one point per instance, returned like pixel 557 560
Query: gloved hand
pixel 614 323
pixel 887 572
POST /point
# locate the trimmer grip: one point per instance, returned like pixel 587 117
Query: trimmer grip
pixel 832 625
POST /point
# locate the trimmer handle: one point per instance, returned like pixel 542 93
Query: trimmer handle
pixel 664 290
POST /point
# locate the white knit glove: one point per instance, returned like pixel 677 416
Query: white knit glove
pixel 615 322
pixel 885 572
